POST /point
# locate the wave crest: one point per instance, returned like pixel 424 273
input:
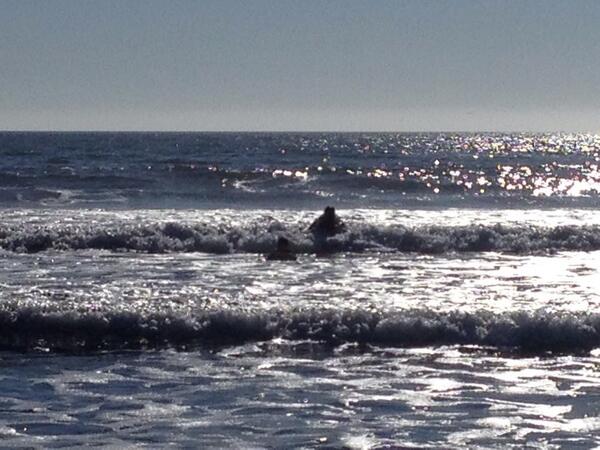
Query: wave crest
pixel 30 328
pixel 260 237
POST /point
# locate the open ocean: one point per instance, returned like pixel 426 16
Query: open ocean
pixel 459 309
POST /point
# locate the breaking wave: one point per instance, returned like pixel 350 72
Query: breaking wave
pixel 26 328
pixel 260 237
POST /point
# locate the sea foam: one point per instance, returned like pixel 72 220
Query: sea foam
pixel 259 237
pixel 27 326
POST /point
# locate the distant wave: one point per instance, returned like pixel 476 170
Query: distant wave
pixel 260 237
pixel 298 169
pixel 26 328
pixel 170 183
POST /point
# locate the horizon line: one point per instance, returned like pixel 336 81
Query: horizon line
pixel 292 131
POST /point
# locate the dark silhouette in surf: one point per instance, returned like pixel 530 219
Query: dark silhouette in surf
pixel 326 225
pixel 283 251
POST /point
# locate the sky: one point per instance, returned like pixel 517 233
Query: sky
pixel 281 65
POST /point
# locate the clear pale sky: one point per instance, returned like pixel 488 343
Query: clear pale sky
pixel 300 65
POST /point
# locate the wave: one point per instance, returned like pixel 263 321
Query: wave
pixel 28 194
pixel 261 236
pixel 170 181
pixel 27 328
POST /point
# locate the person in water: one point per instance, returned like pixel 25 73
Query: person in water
pixel 327 224
pixel 283 251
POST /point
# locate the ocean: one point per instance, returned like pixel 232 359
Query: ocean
pixel 458 308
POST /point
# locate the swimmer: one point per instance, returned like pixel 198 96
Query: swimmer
pixel 283 251
pixel 327 224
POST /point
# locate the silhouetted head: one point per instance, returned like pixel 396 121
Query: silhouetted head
pixel 329 211
pixel 283 245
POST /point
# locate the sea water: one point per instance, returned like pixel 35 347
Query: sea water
pixel 459 308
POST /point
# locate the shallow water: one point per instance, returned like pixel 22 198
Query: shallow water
pixel 70 295
pixel 283 395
